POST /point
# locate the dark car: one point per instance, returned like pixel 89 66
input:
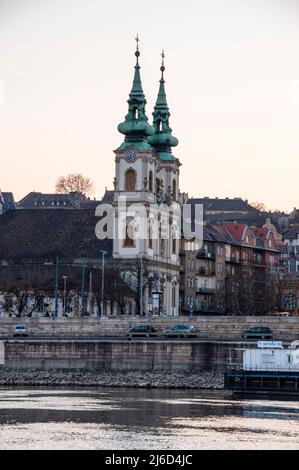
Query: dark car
pixel 142 330
pixel 258 332
pixel 177 331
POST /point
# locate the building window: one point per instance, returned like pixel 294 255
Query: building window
pixel 150 235
pixel 129 241
pixel 173 296
pixel 174 189
pixel 130 180
pixel 150 181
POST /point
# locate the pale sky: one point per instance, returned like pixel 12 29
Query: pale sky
pixel 232 82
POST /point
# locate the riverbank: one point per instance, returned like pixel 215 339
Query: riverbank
pixel 177 380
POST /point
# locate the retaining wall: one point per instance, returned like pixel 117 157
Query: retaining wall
pixel 218 327
pixel 133 355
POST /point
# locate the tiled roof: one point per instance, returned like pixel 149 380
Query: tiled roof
pixel 36 200
pixel 292 233
pixel 236 230
pixel 108 197
pixel 224 205
pixel 8 201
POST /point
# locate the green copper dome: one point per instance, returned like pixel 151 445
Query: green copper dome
pixel 135 127
pixel 163 139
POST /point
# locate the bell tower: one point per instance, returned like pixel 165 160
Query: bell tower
pixel 146 197
pixel 135 158
pixel 135 169
pixel 163 140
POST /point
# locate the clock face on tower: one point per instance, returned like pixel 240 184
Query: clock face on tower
pixel 130 155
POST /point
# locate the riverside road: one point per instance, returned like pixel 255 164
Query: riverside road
pixel 126 338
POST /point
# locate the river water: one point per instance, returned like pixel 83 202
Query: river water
pixel 111 418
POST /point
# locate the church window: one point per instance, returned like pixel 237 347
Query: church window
pixel 129 241
pixel 173 245
pixel 135 113
pixel 150 181
pixel 173 241
pixel 150 235
pixel 130 180
pixel 159 125
pixel 173 296
pixel 174 189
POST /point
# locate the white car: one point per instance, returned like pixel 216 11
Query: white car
pixel 20 330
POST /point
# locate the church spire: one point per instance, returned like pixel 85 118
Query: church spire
pixel 163 139
pixel 135 127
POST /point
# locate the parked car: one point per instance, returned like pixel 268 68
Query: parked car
pixel 258 332
pixel 142 330
pixel 185 331
pixel 20 330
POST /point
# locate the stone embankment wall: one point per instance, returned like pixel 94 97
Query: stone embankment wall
pixel 116 355
pixel 218 327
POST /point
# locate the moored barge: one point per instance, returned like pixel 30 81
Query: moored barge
pixel 267 369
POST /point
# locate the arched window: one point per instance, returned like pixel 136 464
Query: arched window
pixel 150 181
pixel 159 123
pixel 174 189
pixel 135 113
pixel 173 296
pixel 150 234
pixel 129 241
pixel 130 180
pixel 173 245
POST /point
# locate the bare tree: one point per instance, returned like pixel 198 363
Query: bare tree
pixel 260 206
pixel 282 291
pixel 117 291
pixel 74 183
pixel 240 293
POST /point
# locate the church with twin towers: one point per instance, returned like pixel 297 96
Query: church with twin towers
pixel 147 176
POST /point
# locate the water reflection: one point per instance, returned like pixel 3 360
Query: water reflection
pixel 105 418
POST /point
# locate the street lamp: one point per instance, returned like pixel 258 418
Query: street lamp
pixel 64 293
pixel 103 273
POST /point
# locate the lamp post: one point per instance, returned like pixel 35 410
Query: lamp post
pixel 64 293
pixel 103 274
pixel 141 287
pixel 82 291
pixel 56 286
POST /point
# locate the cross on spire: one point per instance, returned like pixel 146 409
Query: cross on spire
pixel 137 53
pixel 162 68
pixel 137 41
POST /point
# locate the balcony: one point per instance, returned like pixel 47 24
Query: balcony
pixel 205 272
pixel 233 259
pixel 205 290
pixel 205 255
pixel 259 263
